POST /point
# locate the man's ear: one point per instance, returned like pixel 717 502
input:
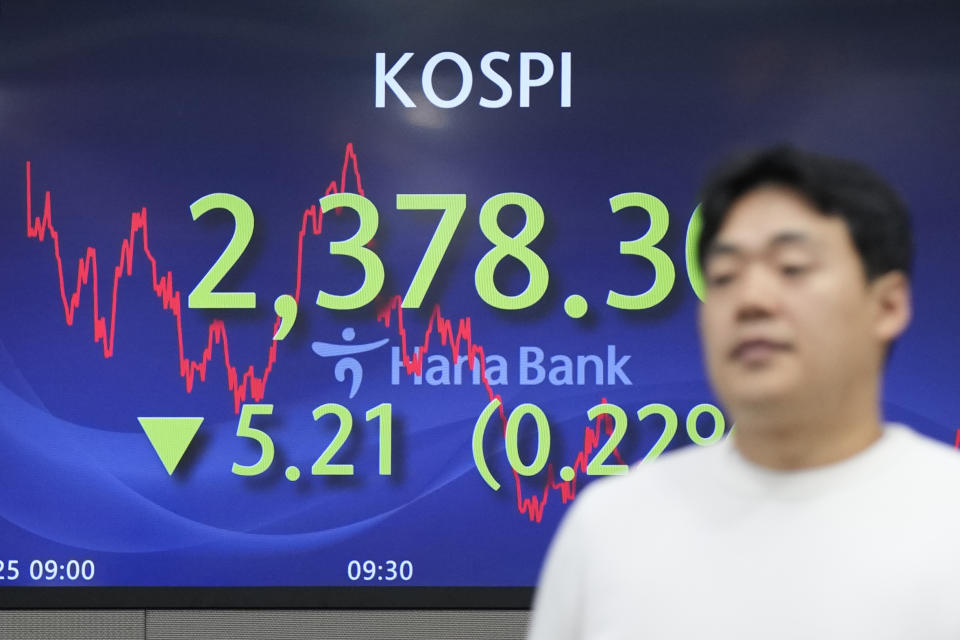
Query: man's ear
pixel 891 304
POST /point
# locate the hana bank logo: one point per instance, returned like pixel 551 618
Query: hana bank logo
pixel 346 364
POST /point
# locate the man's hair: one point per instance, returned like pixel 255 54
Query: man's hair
pixel 876 217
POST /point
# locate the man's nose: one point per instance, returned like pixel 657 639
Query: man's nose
pixel 757 295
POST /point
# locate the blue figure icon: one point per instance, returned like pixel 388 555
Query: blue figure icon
pixel 345 364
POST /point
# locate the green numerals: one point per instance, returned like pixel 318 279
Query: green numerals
pixel 453 206
pixel 645 247
pixel 322 466
pixel 513 246
pixel 669 428
pixel 597 467
pixel 354 247
pixel 244 430
pixel 203 296
pixel 543 439
pixel 694 268
pixel 383 413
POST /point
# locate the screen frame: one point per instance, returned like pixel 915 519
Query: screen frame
pixel 478 598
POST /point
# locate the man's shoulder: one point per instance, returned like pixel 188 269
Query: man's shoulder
pixel 916 459
pixel 924 455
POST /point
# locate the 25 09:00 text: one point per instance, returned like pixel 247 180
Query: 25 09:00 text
pixel 49 570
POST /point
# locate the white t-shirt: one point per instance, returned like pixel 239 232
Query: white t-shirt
pixel 705 544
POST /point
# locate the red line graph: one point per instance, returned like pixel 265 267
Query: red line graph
pixel 532 506
pixel 250 383
pixel 163 287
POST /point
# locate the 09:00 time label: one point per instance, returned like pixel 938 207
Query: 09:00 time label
pixel 49 570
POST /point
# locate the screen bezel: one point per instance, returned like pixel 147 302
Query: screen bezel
pixel 266 597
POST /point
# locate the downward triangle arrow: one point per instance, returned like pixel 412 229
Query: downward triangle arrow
pixel 170 437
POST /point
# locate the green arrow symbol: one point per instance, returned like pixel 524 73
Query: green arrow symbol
pixel 170 437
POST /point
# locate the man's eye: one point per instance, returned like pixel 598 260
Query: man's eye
pixel 793 269
pixel 719 279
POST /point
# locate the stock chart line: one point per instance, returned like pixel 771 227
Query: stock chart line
pixel 88 276
pixel 533 506
pixel 249 383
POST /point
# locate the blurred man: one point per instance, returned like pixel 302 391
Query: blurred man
pixel 814 519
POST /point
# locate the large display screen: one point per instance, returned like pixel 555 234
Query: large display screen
pixel 342 304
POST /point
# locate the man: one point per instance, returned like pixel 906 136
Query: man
pixel 814 519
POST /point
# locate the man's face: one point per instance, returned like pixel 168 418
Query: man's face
pixel 789 319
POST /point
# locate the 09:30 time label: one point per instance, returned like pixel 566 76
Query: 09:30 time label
pixel 386 571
